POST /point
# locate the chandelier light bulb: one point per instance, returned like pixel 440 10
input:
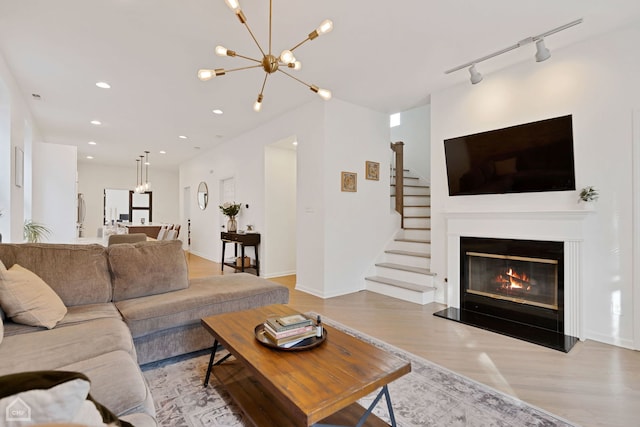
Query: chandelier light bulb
pixel 205 74
pixel 257 106
pixel 324 94
pixel 295 65
pixel 233 5
pixel 287 57
pixel 325 27
pixel 221 50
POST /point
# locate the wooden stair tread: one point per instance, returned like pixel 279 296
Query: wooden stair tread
pixel 401 284
pixel 412 186
pixel 416 228
pixel 409 268
pixel 412 240
pixel 416 206
pixel 408 253
pixel 416 216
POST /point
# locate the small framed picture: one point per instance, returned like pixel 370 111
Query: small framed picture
pixel 373 170
pixel 349 181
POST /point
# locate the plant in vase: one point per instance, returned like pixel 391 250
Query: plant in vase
pixel 34 232
pixel 588 194
pixel 231 210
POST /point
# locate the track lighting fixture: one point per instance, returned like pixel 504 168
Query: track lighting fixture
pixel 476 77
pixel 270 63
pixel 542 53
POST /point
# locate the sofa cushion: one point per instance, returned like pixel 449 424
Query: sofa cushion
pixel 79 274
pixel 116 382
pixel 52 349
pixel 147 268
pixel 27 299
pixel 53 397
pixel 75 314
pixel 205 297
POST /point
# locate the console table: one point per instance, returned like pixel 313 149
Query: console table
pixel 242 240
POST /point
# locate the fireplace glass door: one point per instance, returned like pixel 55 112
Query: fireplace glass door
pixel 519 279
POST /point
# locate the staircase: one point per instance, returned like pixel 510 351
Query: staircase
pixel 404 271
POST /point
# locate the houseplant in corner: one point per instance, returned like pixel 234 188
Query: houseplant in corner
pixel 231 210
pixel 588 195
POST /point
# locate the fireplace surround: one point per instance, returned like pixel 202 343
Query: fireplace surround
pixel 556 327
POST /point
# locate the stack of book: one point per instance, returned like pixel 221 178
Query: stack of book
pixel 287 331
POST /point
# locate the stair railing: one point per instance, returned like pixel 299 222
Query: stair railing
pixel 398 149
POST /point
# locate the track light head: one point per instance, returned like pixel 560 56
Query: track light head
pixel 476 77
pixel 542 53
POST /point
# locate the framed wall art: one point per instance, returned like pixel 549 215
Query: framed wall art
pixel 349 181
pixel 372 170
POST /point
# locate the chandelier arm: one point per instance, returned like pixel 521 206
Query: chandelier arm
pixel 295 78
pixel 250 59
pixel 270 17
pixel 254 38
pixel 300 44
pixel 264 82
pixel 242 68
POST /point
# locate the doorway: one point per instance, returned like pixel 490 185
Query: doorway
pixel 280 207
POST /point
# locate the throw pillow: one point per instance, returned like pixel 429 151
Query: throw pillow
pixel 52 397
pixel 27 299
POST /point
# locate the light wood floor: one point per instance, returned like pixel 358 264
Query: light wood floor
pixel 593 385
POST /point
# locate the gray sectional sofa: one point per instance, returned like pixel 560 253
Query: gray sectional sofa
pixel 127 305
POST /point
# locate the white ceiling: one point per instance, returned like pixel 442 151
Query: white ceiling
pixel 385 55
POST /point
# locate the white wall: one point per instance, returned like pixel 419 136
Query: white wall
pixel 16 130
pixel 415 131
pixel 280 210
pixel 597 82
pixel 94 178
pixel 54 189
pixel 338 234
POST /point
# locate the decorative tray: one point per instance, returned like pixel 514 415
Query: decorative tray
pixel 306 344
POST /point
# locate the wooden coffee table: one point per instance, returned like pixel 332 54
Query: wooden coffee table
pixel 316 387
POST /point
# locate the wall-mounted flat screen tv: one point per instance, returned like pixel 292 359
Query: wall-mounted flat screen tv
pixel 531 157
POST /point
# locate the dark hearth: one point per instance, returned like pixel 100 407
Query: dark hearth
pixel 513 287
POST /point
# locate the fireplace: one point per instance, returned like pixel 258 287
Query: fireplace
pixel 514 287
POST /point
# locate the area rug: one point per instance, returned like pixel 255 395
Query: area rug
pixel 428 396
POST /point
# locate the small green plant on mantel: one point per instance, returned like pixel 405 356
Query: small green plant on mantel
pixel 588 194
pixel 34 232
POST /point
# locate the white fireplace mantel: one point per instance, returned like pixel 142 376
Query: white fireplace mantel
pixel 560 226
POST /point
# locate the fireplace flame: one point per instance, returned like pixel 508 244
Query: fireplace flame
pixel 512 280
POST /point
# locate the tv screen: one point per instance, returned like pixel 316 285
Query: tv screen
pixel 525 158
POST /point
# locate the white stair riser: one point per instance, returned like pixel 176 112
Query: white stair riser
pixel 421 298
pixel 413 191
pixel 416 200
pixel 405 276
pixel 410 246
pixel 417 211
pixel 410 261
pixel 417 222
pixel 418 234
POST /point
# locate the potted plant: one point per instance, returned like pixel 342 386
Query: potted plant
pixel 231 210
pixel 588 194
pixel 34 232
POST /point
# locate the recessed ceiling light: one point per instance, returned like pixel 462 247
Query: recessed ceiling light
pixel 163 152
pixel 90 157
pixel 103 85
pixel 36 96
pixel 218 111
pixel 295 142
pixel 182 137
pixel 96 122
pixel 92 143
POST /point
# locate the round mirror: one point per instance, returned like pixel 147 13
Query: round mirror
pixel 203 195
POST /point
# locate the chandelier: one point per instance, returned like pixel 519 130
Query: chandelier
pixel 142 185
pixel 269 63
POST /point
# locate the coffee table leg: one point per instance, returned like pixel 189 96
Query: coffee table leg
pixel 384 392
pixel 213 355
